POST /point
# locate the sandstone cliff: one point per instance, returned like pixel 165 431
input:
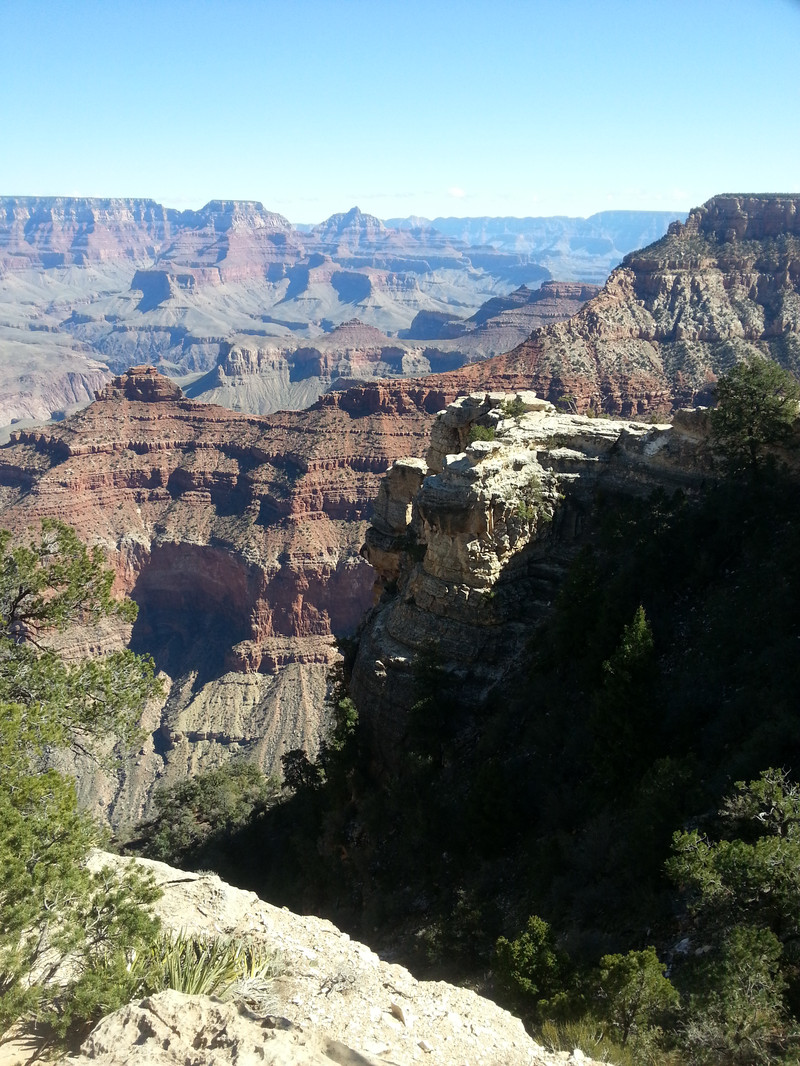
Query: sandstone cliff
pixel 470 544
pixel 117 282
pixel 239 538
pixel 674 316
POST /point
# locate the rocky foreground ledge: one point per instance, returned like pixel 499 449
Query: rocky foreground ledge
pixel 335 1001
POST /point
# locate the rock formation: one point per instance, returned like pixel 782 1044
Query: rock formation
pixel 89 284
pixel 496 325
pixel 575 249
pixel 673 316
pixel 239 538
pixel 335 1001
pixel 265 377
pixel 470 545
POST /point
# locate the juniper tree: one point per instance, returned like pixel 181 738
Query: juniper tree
pixel 757 404
pixel 52 906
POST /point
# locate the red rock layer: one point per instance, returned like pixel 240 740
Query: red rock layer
pixel 673 317
pixel 256 522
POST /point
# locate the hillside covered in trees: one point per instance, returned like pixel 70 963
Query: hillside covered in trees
pixel 624 807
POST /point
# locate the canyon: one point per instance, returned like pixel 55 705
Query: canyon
pixel 239 538
pixel 439 519
pixel 240 535
pixel 720 288
pixel 89 287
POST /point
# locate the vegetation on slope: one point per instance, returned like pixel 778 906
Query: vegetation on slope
pixel 53 907
pixel 75 943
pixel 615 833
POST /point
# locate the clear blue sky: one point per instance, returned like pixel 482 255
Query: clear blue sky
pixel 439 107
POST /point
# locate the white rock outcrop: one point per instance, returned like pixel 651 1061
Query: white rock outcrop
pixel 470 545
pixel 336 1001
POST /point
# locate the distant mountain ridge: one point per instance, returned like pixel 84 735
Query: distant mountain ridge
pixel 91 286
pixel 572 249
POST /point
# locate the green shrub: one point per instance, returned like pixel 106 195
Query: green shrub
pixel 201 814
pixel 631 993
pixel 532 505
pixel 757 404
pixel 532 968
pixel 477 432
pixel 514 408
pixel 203 966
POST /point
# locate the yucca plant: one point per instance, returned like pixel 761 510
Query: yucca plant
pixel 205 966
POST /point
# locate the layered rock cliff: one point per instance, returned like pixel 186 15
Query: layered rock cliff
pixel 90 283
pixel 470 544
pixel 239 538
pixel 263 377
pixel 674 316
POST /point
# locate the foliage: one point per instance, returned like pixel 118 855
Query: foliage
pixel 514 408
pixel 743 892
pixel 757 404
pixel 44 586
pixel 101 929
pixel 203 966
pixel 197 818
pixel 754 880
pixel 53 906
pixel 299 772
pixel 477 432
pixel 568 403
pixel 532 506
pixel 736 1011
pixel 623 704
pixel 631 994
pixel 592 1038
pixel 533 966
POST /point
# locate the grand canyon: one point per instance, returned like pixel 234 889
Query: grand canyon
pixel 264 316
pixel 239 535
pixel 380 430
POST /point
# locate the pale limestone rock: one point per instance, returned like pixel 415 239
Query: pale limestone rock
pixel 336 1000
pixel 172 1029
pixel 473 560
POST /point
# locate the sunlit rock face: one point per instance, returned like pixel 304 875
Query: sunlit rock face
pixel 673 317
pixel 471 544
pixel 333 999
pixel 239 539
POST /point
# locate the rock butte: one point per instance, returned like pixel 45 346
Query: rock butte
pixel 673 316
pixel 470 545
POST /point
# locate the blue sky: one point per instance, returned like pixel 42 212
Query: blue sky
pixel 428 108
